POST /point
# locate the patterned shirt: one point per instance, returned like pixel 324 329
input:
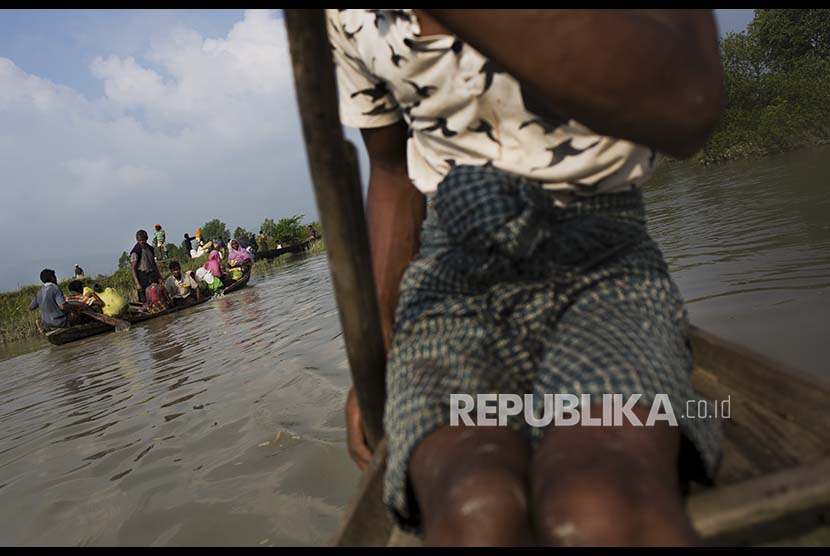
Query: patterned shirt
pixel 461 108
pixel 80 298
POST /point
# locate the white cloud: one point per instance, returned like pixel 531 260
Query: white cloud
pixel 198 128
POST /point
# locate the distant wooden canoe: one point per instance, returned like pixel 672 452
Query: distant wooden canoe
pixel 62 336
pixel 773 482
pixel 273 253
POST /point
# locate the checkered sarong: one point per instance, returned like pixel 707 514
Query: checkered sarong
pixel 513 294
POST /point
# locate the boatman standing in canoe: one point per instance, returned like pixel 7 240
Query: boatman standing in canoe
pixel 507 150
pixel 143 264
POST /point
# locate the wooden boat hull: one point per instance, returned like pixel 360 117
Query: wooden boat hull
pixel 773 482
pixel 74 333
pixel 273 253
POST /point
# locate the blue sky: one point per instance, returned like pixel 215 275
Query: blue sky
pixel 112 120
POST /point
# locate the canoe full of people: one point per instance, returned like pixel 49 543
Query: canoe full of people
pixel 70 317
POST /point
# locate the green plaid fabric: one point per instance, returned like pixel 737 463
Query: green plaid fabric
pixel 511 293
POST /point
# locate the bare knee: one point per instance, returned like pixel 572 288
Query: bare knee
pixel 578 511
pixel 600 510
pixel 481 506
pixel 471 487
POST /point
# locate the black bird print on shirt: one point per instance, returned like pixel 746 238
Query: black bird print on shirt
pixel 489 69
pixel 424 46
pixel 350 36
pixel 382 109
pixel 547 127
pixel 396 58
pixel 400 14
pixel 408 110
pixel 378 17
pixel 375 93
pixel 422 91
pixel 450 162
pixel 440 123
pixel 562 151
pixel 485 127
pixel 334 26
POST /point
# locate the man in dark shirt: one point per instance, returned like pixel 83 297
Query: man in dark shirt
pixel 188 241
pixel 143 264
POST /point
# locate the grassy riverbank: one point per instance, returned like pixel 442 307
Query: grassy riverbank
pixel 17 322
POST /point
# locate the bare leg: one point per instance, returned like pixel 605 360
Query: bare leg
pixel 609 486
pixel 471 486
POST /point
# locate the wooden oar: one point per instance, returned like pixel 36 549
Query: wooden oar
pixel 336 179
pixel 118 324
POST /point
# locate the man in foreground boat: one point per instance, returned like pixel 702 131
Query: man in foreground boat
pixel 54 309
pixel 181 288
pixel 533 271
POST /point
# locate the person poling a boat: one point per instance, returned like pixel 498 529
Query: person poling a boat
pixel 143 265
pixel 510 250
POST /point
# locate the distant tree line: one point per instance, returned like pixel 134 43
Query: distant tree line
pixel 777 85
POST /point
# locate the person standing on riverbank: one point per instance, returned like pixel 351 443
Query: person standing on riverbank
pixel 519 263
pixel 51 302
pixel 143 265
pixel 159 238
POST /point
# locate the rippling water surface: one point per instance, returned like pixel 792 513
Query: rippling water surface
pixel 223 424
pixel 218 425
pixel 749 245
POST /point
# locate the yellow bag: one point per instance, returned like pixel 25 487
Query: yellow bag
pixel 115 304
pixel 236 272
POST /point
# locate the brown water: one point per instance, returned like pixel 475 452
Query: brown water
pixel 219 425
pixel 223 425
pixel 749 245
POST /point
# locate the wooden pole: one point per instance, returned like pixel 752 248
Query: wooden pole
pixel 337 189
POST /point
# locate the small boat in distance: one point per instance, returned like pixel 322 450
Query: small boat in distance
pixel 62 336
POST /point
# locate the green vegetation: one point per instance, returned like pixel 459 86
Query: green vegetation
pixel 214 230
pixel 123 260
pixel 777 85
pixel 286 231
pixel 240 233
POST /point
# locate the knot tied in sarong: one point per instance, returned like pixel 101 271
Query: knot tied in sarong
pixel 504 226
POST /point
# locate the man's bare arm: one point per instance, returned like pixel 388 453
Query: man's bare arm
pixel 650 76
pixel 394 212
pixel 133 269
